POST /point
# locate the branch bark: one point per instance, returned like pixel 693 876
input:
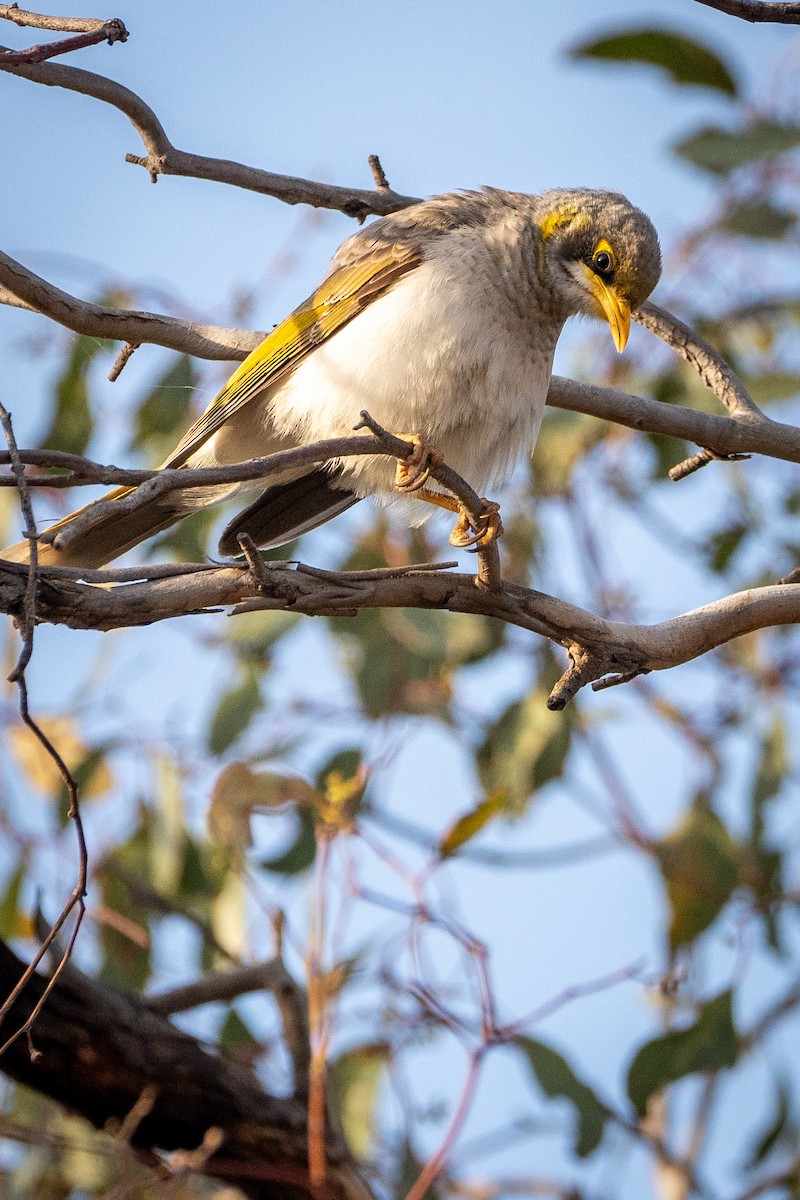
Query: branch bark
pixel 100 1050
pixel 779 12
pixel 162 158
pixel 603 652
pixel 87 31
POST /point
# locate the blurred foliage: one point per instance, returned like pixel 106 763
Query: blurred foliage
pixel 685 60
pixel 205 823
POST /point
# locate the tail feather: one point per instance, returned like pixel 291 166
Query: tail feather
pixel 286 510
pixel 107 540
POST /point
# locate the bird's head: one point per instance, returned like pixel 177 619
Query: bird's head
pixel 601 255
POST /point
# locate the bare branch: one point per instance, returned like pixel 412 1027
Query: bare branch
pixel 125 325
pixel 162 158
pixel 610 647
pixel 710 366
pixel 112 31
pixel 32 20
pixel 88 32
pixel 220 987
pixel 780 12
pixel 108 1048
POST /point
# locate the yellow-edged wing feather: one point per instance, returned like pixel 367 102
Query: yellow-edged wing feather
pixel 341 296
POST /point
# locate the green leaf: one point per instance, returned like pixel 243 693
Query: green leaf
pixel 774 1133
pixel 235 1035
pixel 769 386
pixel 165 409
pixel 771 771
pixel 699 861
pixel 524 749
pixel 72 425
pixel 707 1045
pixel 556 1078
pixel 723 150
pixel 356 1078
pixel 759 219
pixel 234 712
pixel 685 60
pixel 9 904
pixel 721 547
pixel 301 853
pixel 469 826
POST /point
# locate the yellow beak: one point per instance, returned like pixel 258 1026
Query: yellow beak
pixel 613 307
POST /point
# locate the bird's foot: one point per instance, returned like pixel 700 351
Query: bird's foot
pixel 488 529
pixel 413 472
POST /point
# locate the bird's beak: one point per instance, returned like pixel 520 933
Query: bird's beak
pixel 613 307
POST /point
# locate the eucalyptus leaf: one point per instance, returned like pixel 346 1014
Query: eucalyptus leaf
pixel 686 61
pixel 723 150
pixel 708 1045
pixel 699 861
pixel 556 1078
pixel 759 219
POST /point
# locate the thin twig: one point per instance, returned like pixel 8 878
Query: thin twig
pixel 121 360
pixel 29 607
pixel 33 20
pixel 438 1161
pixel 378 173
pixel 318 1015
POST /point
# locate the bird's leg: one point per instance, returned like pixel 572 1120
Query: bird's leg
pixel 464 534
pixel 413 472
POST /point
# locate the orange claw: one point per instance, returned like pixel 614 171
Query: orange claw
pixel 487 531
pixel 413 472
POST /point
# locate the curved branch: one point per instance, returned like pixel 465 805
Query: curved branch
pixel 601 650
pixel 162 158
pixel 125 325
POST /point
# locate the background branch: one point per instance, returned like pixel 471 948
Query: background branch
pixel 101 1049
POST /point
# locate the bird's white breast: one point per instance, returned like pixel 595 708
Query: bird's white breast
pixel 443 354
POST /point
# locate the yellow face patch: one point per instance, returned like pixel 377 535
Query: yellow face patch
pixel 567 214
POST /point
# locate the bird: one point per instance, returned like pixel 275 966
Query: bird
pixel 441 320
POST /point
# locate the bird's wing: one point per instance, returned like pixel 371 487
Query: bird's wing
pixel 344 293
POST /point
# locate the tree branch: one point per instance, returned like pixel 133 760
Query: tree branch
pixel 162 158
pixel 100 1049
pixel 602 651
pixel 780 12
pixel 29 290
pixel 88 32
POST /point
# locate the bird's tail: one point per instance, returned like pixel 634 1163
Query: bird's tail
pixel 111 536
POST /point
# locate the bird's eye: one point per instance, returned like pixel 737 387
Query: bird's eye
pixel 603 262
